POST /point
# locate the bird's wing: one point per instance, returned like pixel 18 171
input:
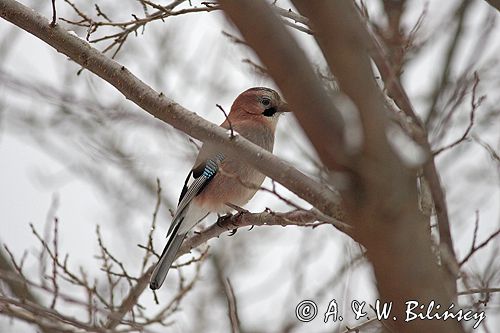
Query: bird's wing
pixel 199 177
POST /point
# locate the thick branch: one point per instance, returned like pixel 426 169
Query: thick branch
pixel 419 134
pixel 169 111
pixel 353 74
pixel 395 221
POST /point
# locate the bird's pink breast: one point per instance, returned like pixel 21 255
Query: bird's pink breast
pixel 237 182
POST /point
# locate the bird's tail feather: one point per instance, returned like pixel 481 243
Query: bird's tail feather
pixel 166 259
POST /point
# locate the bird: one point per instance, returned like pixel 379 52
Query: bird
pixel 217 180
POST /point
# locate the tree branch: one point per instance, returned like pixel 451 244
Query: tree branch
pixel 169 111
pixel 419 134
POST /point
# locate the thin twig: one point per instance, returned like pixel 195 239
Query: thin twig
pixel 149 247
pixel 475 103
pixel 450 55
pixel 494 155
pixel 357 328
pixel 54 15
pixel 479 291
pixel 476 228
pixel 232 308
pixel 233 38
pixel 227 119
pixel 476 248
pixel 54 264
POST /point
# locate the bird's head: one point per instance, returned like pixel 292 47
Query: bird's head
pixel 259 104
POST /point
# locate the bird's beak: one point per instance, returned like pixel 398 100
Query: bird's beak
pixel 284 107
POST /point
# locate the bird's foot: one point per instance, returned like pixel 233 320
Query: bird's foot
pixel 221 219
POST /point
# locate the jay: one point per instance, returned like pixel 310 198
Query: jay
pixel 216 179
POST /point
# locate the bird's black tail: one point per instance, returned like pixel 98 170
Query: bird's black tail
pixel 166 259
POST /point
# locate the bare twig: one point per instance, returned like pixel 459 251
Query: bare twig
pixel 494 155
pixel 227 119
pixel 54 15
pixel 479 291
pixel 357 328
pixel 474 249
pixel 475 103
pixel 149 247
pixel 476 228
pixel 234 39
pixel 258 68
pixel 451 53
pixel 132 26
pixel 54 264
pixel 232 309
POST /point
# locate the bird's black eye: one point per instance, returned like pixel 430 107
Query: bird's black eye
pixel 266 101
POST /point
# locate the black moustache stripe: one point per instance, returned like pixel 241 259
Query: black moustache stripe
pixel 269 112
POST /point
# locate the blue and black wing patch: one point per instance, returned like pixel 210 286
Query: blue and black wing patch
pixel 206 171
pixel 202 176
